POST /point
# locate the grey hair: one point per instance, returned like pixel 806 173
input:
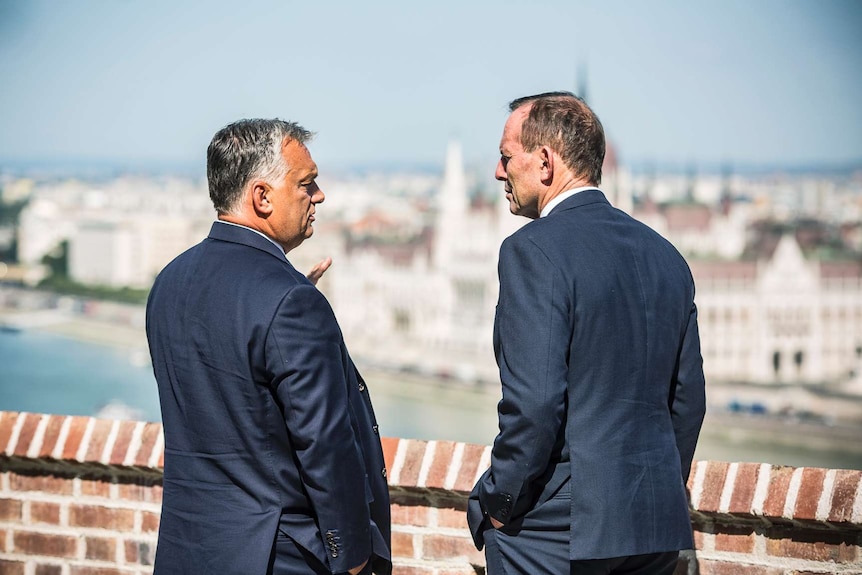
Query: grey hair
pixel 247 150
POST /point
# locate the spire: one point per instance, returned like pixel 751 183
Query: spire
pixel 452 207
pixel 453 195
pixel 582 82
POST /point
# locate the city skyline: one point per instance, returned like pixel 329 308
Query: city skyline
pixel 383 84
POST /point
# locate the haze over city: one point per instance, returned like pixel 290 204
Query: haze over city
pixel 388 83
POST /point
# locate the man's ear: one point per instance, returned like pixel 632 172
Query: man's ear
pixel 261 198
pixel 546 155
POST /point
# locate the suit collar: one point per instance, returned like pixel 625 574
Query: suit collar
pixel 586 197
pixel 245 236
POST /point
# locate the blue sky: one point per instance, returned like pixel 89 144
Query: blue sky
pixel 390 82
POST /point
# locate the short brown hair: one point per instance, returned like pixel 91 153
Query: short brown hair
pixel 567 125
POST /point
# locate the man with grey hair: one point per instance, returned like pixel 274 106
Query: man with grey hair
pixel 273 462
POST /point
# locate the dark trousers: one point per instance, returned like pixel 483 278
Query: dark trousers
pixel 539 555
pixel 652 564
pixel 539 545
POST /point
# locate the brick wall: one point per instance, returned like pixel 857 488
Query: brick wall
pixel 82 496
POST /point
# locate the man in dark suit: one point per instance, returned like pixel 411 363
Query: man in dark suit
pixel 273 462
pixel 597 343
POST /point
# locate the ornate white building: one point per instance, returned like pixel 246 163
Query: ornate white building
pixel 781 319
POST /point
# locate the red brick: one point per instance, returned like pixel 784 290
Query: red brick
pixel 150 521
pixel 412 462
pixel 52 434
pixel 440 465
pixel 98 439
pixel 810 490
pixel 131 550
pixel 38 482
pixel 10 510
pixel 11 567
pixel 390 446
pixel 743 488
pixel 28 430
pixel 449 547
pixel 49 569
pixel 45 512
pixel 141 490
pixel 713 484
pixel 698 540
pixel 121 445
pixel 148 441
pixel 844 495
pixel 3 541
pixel 448 517
pixel 402 545
pixel 417 515
pixel 735 539
pixel 96 486
pixel 709 567
pixel 469 467
pixel 103 517
pixel 73 439
pixel 43 544
pixel 80 570
pixel 7 422
pixel 100 548
pixel 468 570
pixel 779 481
pixel 812 546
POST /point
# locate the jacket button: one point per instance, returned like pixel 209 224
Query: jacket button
pixel 376 429
pixel 383 472
pixel 361 386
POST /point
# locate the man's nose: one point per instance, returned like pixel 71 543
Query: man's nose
pixel 318 196
pixel 500 174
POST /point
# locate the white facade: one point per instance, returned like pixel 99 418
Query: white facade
pixel 130 251
pixel 782 320
pixel 120 233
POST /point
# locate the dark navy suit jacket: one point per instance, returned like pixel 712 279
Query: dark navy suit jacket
pixel 597 343
pixel 268 425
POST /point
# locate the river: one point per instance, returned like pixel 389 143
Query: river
pixel 48 373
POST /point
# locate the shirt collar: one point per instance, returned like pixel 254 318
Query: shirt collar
pixel 269 239
pixel 562 197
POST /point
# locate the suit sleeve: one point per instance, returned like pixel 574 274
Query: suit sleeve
pixel 532 338
pixel 304 354
pixel 688 404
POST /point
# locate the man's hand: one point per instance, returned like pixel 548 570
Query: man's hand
pixel 318 270
pixel 494 523
pixel 356 570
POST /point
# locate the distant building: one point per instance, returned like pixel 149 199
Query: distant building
pixel 130 251
pixel 119 233
pixel 781 319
